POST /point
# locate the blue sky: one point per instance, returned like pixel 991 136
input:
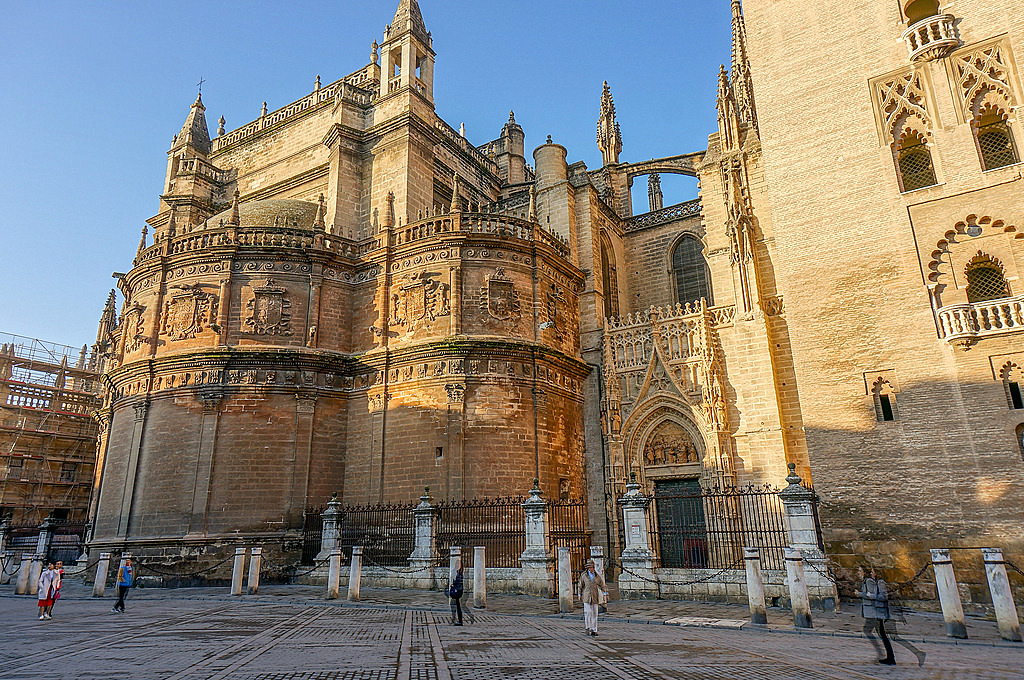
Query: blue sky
pixel 93 92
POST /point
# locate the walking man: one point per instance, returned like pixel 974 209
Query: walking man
pixel 874 605
pixel 125 580
pixel 592 587
pixel 455 591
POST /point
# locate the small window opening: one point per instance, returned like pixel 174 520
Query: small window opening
pixel 885 400
pixel 1020 439
pixel 995 141
pixel 886 405
pixel 439 452
pixel 914 161
pixel 1016 401
pixel 985 280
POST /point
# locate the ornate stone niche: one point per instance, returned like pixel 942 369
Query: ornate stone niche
pixel 268 310
pixel 188 311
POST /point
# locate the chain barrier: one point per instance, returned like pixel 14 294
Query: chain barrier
pixel 1013 567
pixel 825 573
pixel 411 570
pixel 732 567
pixel 185 575
pixel 900 586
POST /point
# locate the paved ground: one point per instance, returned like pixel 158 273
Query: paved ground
pixel 288 633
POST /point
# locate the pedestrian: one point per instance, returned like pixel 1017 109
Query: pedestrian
pixel 125 580
pixel 49 584
pixel 455 591
pixel 592 589
pixel 874 607
pixel 59 566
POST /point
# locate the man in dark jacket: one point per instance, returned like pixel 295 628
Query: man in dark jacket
pixel 874 606
pixel 455 591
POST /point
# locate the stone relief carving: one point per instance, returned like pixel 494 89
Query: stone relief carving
pixel 422 298
pixel 670 444
pixel 456 393
pixel 268 310
pixel 188 312
pixel 134 329
pixel 554 311
pixel 499 298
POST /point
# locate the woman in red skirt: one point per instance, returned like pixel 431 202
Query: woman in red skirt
pixel 49 585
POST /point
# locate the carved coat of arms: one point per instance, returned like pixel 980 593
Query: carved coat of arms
pixel 555 311
pixel 499 297
pixel 134 330
pixel 188 312
pixel 423 297
pixel 268 310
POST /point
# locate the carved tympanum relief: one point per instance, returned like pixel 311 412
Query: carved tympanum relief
pixel 670 444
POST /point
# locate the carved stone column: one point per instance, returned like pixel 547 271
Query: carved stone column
pixel 802 534
pixel 330 536
pixel 637 578
pixel 537 574
pixel 422 557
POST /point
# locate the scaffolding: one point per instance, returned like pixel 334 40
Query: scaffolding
pixel 48 393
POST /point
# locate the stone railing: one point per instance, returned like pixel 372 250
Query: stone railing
pixel 462 143
pixel 961 324
pixel 50 398
pixel 279 237
pixel 931 38
pixel 505 226
pixel 340 88
pixel 663 216
pixel 197 166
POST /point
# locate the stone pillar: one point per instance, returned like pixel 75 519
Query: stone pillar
pixel 21 587
pixel 795 579
pixel 255 560
pixel 334 573
pixel 355 572
pixel 536 575
pixel 422 557
pixel 597 554
pixel 45 539
pixel 330 537
pixel 802 533
pixel 480 577
pixel 99 584
pixel 949 596
pixel 1002 596
pixel 755 586
pixel 637 577
pixel 564 581
pixel 5 530
pixel 238 571
pixel 7 558
pixel 34 572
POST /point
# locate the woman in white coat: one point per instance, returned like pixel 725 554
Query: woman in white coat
pixel 49 584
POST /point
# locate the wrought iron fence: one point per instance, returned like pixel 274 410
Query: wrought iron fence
pixel 495 523
pixel 67 540
pixel 386 532
pixel 709 527
pixel 312 533
pixel 569 530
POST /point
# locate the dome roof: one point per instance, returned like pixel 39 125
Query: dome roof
pixel 276 212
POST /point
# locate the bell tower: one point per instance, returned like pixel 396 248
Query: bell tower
pixel 407 59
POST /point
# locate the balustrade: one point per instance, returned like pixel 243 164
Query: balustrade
pixel 932 37
pixel 961 324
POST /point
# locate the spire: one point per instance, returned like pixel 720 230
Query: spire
pixel 742 82
pixel 142 242
pixel 318 220
pixel 609 139
pixel 728 112
pixel 389 212
pixel 235 218
pixel 108 319
pixel 194 132
pixel 409 17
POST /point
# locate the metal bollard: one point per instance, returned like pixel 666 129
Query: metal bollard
pixel 238 571
pixel 564 581
pixel 34 573
pixel 334 574
pixel 755 586
pixel 254 570
pixel 798 600
pixel 479 577
pixel 949 596
pixel 1002 596
pixel 99 584
pixel 21 587
pixel 355 572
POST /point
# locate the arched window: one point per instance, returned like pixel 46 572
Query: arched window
pixel 995 140
pixel 914 162
pixel 1013 382
pixel 916 10
pixel 609 278
pixel 885 400
pixel 1020 439
pixel 690 271
pixel 985 280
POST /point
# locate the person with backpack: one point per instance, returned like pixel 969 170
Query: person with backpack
pixel 455 591
pixel 125 580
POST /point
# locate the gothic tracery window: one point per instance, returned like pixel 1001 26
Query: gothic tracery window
pixel 914 162
pixel 690 271
pixel 995 140
pixel 985 279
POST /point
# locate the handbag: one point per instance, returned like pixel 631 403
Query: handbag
pixel 56 595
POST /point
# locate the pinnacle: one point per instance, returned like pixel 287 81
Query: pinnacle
pixel 408 15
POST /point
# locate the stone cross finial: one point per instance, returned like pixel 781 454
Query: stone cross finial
pixel 235 218
pixel 142 241
pixel 533 203
pixel 389 212
pixel 549 140
pixel 462 130
pixel 263 111
pixel 374 55
pixel 318 219
pixel 316 85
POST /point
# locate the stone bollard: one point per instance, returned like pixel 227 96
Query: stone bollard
pixel 1002 596
pixel 597 554
pixel 800 519
pixel 255 559
pixel 99 584
pixel 637 577
pixel 34 573
pixel 755 586
pixel 334 573
pixel 238 571
pixel 480 577
pixel 949 596
pixel 454 562
pixel 21 587
pixel 8 567
pixel 798 600
pixel 355 572
pixel 536 574
pixel 564 581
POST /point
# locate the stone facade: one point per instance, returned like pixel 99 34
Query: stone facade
pixel 347 295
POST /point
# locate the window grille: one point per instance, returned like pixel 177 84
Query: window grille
pixel 693 281
pixel 985 281
pixel 915 165
pixel 996 144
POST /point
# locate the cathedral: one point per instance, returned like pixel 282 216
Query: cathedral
pixel 346 295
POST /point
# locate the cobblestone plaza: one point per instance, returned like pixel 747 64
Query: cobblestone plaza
pixel 287 634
